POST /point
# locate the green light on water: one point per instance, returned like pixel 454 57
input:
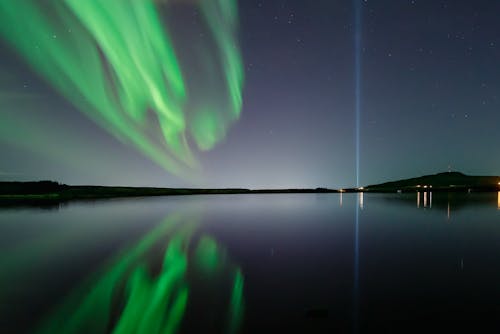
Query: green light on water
pixel 87 309
pixel 207 255
pixel 236 303
pixel 152 302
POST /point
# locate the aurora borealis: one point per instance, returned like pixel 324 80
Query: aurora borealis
pixel 257 94
pixel 118 64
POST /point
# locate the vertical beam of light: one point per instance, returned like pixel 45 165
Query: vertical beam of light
pixel 358 27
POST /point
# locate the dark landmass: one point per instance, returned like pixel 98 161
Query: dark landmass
pixel 49 191
pixel 441 182
pixel 46 191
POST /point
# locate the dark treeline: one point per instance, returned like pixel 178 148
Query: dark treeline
pixel 51 190
pixel 35 187
pixel 54 191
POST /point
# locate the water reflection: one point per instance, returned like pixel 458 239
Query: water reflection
pixel 445 202
pixel 138 292
pixel 355 296
pixel 427 199
pixel 346 266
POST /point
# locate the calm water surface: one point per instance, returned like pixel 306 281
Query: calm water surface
pixel 311 263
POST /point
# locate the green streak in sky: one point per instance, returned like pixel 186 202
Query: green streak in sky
pixel 116 62
pixel 225 12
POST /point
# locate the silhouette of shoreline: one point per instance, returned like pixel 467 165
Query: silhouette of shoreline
pixel 53 191
pixel 441 182
pixel 50 191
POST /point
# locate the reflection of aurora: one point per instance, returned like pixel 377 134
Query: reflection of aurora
pixel 128 298
pixel 118 62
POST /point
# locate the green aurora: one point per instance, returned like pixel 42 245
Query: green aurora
pixel 119 63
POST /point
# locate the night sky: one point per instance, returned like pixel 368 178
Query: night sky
pixel 429 100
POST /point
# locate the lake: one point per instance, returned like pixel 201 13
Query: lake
pixel 311 263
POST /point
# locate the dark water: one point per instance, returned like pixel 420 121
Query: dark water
pixel 311 263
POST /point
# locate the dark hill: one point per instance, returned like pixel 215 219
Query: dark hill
pixel 448 181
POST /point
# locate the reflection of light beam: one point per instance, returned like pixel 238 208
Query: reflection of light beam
pixel 356 269
pixel 361 201
pixel 430 199
pixel 498 200
pixel 425 199
pixel 418 199
pixel 341 199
